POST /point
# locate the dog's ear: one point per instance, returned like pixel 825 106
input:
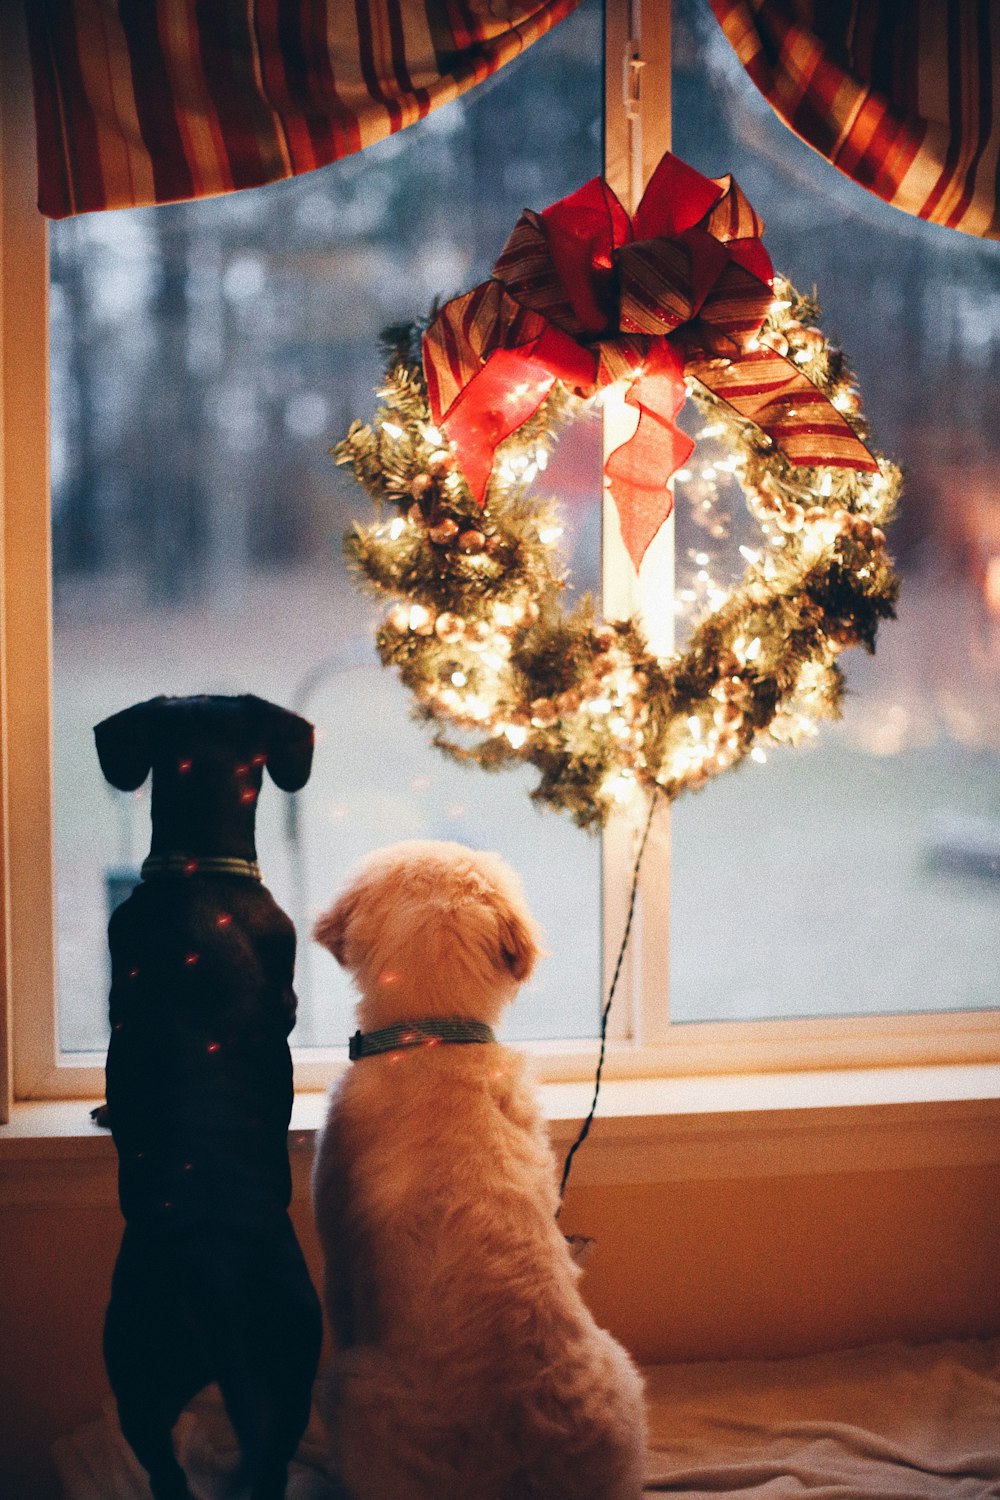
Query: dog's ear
pixel 287 742
pixel 331 928
pixel 125 744
pixel 518 942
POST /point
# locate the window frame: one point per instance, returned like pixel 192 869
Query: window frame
pixel 643 1043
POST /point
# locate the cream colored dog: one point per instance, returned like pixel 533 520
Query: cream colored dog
pixel 467 1366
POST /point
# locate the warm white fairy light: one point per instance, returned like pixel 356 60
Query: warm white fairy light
pixel 606 714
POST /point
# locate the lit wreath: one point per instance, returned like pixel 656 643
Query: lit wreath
pixel 478 632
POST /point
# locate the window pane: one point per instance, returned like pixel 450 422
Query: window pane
pixel 205 356
pixel 862 875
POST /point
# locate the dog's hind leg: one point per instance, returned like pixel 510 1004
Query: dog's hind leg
pixel 154 1364
pixel 268 1329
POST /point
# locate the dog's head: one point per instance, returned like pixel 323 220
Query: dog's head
pixel 432 929
pixel 207 755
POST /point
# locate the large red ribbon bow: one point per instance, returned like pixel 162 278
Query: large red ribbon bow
pixel 583 295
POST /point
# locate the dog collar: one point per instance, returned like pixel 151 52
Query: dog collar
pixel 204 864
pixel 406 1034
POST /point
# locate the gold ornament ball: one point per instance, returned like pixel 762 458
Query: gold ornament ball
pixel 543 713
pixel 419 485
pixel 421 620
pixel 728 715
pixel 443 532
pixel 449 627
pixel 790 518
pixel 766 503
pixel 471 541
pixel 441 462
pixel 772 338
pixel 843 635
pixel 399 618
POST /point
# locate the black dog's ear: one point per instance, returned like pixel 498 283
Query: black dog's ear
pixel 125 745
pixel 288 742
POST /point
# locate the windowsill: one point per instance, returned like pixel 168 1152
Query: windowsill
pixel 647 1130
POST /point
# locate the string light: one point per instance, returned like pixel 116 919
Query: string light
pixel 477 634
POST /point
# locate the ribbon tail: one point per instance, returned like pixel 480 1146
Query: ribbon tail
pixel 772 392
pixel 489 363
pixel 639 470
pixel 507 391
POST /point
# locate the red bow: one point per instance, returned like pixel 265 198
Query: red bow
pixel 584 296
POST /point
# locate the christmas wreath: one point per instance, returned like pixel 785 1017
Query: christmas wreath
pixel 682 300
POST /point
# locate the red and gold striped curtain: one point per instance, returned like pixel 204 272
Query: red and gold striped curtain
pixel 153 101
pixel 902 95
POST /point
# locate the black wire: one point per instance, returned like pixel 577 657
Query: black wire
pixel 585 1127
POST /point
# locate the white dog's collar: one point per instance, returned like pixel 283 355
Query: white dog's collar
pixel 428 1033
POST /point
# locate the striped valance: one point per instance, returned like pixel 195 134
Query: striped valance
pixel 902 95
pixel 153 101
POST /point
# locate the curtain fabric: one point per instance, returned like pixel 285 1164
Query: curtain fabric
pixel 154 101
pixel 902 95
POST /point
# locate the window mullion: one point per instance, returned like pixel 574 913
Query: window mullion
pixel 637 132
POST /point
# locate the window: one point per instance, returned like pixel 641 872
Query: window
pixel 204 357
pixel 271 351
pixel 862 874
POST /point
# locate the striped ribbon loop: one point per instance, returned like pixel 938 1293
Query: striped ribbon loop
pixel 584 295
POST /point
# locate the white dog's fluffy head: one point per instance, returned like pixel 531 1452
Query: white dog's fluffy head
pixel 430 928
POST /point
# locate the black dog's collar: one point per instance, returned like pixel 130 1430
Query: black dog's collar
pixel 205 864
pixel 408 1034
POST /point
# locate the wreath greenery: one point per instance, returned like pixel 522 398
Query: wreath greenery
pixel 479 634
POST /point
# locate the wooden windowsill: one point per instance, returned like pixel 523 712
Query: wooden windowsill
pixel 647 1130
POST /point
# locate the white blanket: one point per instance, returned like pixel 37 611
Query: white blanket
pixel 894 1421
pixel 887 1423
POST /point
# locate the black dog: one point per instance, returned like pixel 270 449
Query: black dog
pixel 210 1282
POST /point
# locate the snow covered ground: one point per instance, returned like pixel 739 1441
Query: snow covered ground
pixel 801 887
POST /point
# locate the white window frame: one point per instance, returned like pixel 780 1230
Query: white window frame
pixel 643 1043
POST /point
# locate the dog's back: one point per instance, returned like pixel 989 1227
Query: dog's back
pixel 210 1283
pixel 199 1073
pixel 467 1363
